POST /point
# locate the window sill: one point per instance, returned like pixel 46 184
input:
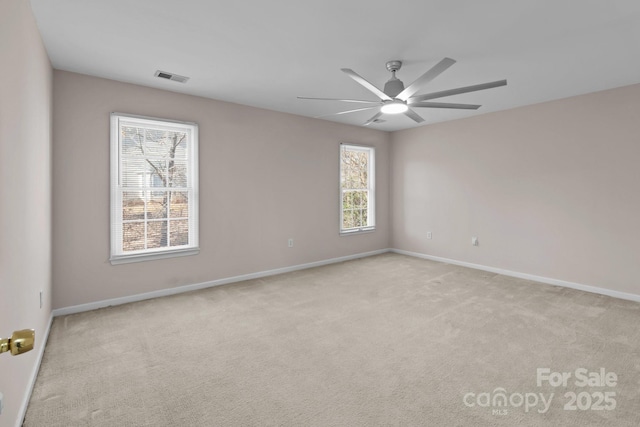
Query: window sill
pixel 357 231
pixel 126 259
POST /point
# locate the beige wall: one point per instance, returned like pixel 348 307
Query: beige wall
pixel 264 177
pixel 25 196
pixel 551 189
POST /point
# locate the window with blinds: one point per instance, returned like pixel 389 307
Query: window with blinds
pixel 357 188
pixel 154 188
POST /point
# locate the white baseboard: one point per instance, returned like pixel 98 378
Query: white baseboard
pixel 187 288
pixel 546 280
pixel 34 374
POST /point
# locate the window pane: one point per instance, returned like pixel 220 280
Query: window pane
pixel 156 234
pixel 347 219
pixel 157 205
pixel 156 143
pixel 181 150
pixel 132 205
pixel 157 173
pixel 357 218
pixel 165 144
pixel 179 233
pixel 133 236
pixel 354 168
pixel 133 172
pixel 347 200
pixel 178 173
pixel 357 198
pixel 179 204
pixel 132 141
pixel 364 199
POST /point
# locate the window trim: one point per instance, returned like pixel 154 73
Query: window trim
pixel 116 257
pixel 371 214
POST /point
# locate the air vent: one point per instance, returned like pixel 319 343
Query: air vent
pixel 169 76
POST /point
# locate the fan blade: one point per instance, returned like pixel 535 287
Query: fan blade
pixel 373 119
pixel 434 72
pixel 341 100
pixel 446 105
pixel 358 78
pixel 413 115
pixel 345 112
pixel 459 90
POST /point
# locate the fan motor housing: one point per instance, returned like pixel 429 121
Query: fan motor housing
pixel 393 87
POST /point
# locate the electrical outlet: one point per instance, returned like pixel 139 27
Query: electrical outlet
pixel 474 241
pixel 290 243
pixel 429 236
pixel 40 299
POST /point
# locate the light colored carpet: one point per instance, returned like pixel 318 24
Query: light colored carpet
pixel 388 340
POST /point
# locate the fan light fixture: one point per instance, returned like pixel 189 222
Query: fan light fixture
pixel 394 107
pixel 397 99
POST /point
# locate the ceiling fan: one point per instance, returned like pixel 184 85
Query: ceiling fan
pixel 396 99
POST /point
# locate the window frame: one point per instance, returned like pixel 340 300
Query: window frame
pixel 371 188
pixel 117 255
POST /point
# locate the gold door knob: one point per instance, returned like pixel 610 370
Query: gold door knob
pixel 20 342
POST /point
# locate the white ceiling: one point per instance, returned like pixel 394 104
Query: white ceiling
pixel 266 53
